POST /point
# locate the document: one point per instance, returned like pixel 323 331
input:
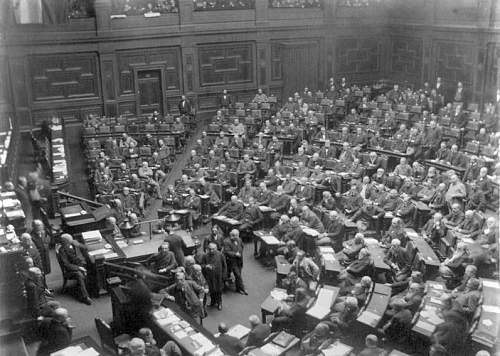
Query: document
pixel 272 349
pixel 239 331
pixel 425 326
pixel 101 251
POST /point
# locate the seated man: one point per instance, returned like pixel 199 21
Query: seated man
pixel 246 166
pixel 72 258
pixel 306 269
pixel 351 249
pixel 467 301
pixel 371 214
pixel 193 205
pixel 351 200
pixel 164 261
pixel 311 220
pixel 434 229
pixel 342 320
pixel 251 218
pixel 279 202
pixel 334 231
pixel 228 342
pixel 398 326
pixel 317 340
pixel 455 217
pixel 292 315
pixel 258 332
pixel 362 266
pixel 292 282
pixel 232 209
pixel 397 258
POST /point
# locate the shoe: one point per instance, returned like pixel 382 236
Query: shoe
pixel 242 291
pixel 219 306
pixel 87 301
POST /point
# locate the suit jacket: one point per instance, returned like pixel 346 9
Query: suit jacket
pixel 230 343
pixel 55 335
pixel 224 101
pixel 163 260
pixel 186 297
pixel 72 256
pixel 184 107
pixel 258 334
pixel 231 248
pixel 252 215
pixel 279 202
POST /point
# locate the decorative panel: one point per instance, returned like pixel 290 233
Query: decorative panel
pixel 68 76
pixel 4 97
pixel 407 54
pixel 226 64
pixel 189 72
pixel 355 55
pixel 127 108
pixel 19 90
pixel 108 80
pixel 167 57
pixel 492 71
pixel 173 104
pixel 454 62
pixel 207 101
pixel 276 92
pixel 276 68
pixel 262 66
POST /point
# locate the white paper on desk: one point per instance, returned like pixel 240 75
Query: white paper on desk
pixel 101 251
pixel 168 320
pixel 71 215
pixel 68 351
pixel 89 352
pixel 110 255
pixel 138 242
pixel 329 257
pixel 122 243
pixel 369 318
pixel 310 231
pixel 326 249
pixel 425 326
pixel 436 301
pixel 272 349
pixel 270 240
pixel 491 284
pixel 337 349
pixel 201 339
pixel 278 294
pixel 92 235
pixel 318 311
pixel 239 331
pixel 491 309
pixel 325 297
pixel 181 334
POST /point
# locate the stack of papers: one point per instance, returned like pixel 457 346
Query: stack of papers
pixel 93 235
pixel 272 349
pixel 101 251
pixel 239 331
pixel 76 351
pixel 270 240
pixel 278 294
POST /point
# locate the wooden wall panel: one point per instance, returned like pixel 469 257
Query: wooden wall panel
pixel 221 64
pixel 358 55
pixel 18 84
pixel 407 55
pixel 108 80
pixel 166 57
pixel 127 108
pixel 67 76
pixel 492 77
pixel 454 61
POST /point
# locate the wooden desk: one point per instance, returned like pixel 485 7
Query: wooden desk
pixel 337 349
pixel 441 166
pixel 330 263
pixel 324 301
pixel 487 332
pixel 274 347
pixel 426 252
pixel 272 302
pixel 282 268
pixel 397 353
pixel 266 239
pixel 378 254
pixel 429 315
pixel 376 307
pixel 140 248
pixel 225 223
pixel 171 323
pixel 13 345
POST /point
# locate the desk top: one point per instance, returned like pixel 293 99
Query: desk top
pixel 275 345
pixel 191 337
pixel 321 307
pixel 80 347
pixel 141 246
pixel 425 250
pixel 376 307
pixel 337 349
pixel 488 326
pixel 273 300
pixel 378 254
pixel 430 316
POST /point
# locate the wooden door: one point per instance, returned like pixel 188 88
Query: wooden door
pixel 300 67
pixel 150 94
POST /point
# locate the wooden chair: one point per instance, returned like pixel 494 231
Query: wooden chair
pixel 109 343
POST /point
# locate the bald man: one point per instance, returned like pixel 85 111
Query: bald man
pixel 55 332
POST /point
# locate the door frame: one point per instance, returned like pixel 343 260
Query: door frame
pixel 138 69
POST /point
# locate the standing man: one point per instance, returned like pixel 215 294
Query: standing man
pixel 186 294
pixel 224 100
pixel 41 240
pixel 184 106
pixel 214 270
pixel 233 249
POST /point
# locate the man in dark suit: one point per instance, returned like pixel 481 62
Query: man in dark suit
pixel 71 255
pixel 258 333
pixel 187 294
pixel 55 332
pixel 224 100
pixel 164 261
pixel 228 342
pixel 184 106
pixel 30 250
pixel 175 244
pixel 233 250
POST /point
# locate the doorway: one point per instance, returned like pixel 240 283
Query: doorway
pixel 300 67
pixel 150 91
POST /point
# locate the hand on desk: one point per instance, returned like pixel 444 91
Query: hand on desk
pixel 171 298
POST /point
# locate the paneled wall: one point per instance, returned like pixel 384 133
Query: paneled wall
pixel 95 65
